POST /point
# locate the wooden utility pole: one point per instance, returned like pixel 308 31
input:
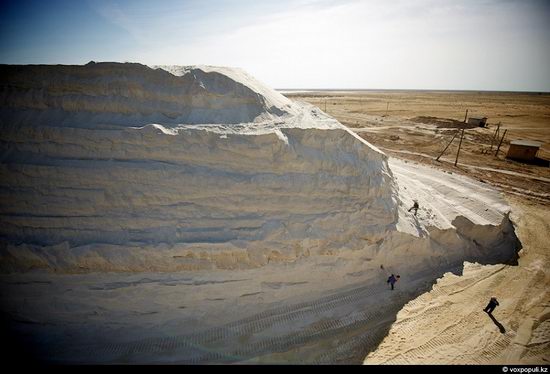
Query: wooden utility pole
pixel 466 116
pixel 441 154
pixel 459 145
pixel 495 136
pixel 499 144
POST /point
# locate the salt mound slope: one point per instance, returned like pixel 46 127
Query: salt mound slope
pixel 123 167
pixel 291 182
pixel 134 94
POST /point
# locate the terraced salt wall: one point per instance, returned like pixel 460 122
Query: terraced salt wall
pixel 166 197
pixel 123 167
pixel 107 94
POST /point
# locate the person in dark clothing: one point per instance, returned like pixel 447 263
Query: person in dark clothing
pixel 493 303
pixel 392 279
pixel 415 207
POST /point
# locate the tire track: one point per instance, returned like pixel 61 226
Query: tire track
pixel 195 348
pixel 234 329
pixel 215 344
pixel 469 207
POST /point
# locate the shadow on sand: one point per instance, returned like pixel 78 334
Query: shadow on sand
pixel 497 323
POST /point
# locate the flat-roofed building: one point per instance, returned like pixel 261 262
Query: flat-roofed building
pixel 478 121
pixel 523 150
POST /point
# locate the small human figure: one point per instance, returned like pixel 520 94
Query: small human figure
pixel 415 207
pixel 392 279
pixel 493 303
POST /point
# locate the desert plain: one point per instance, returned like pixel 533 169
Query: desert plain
pixel 417 125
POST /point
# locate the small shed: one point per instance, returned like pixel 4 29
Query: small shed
pixel 477 121
pixel 523 150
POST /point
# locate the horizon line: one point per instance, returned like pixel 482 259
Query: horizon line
pixel 405 89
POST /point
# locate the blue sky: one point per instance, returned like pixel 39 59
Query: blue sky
pixel 411 44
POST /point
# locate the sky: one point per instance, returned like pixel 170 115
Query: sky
pixel 371 44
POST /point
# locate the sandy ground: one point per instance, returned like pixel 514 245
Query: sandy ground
pixel 447 324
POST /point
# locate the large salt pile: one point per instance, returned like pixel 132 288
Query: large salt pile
pixel 244 198
pixel 255 179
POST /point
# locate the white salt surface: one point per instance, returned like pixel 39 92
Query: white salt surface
pixel 157 205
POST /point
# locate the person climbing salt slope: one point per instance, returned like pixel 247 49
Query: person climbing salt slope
pixel 415 207
pixel 392 280
pixel 493 303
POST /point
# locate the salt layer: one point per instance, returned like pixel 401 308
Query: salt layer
pixel 124 167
